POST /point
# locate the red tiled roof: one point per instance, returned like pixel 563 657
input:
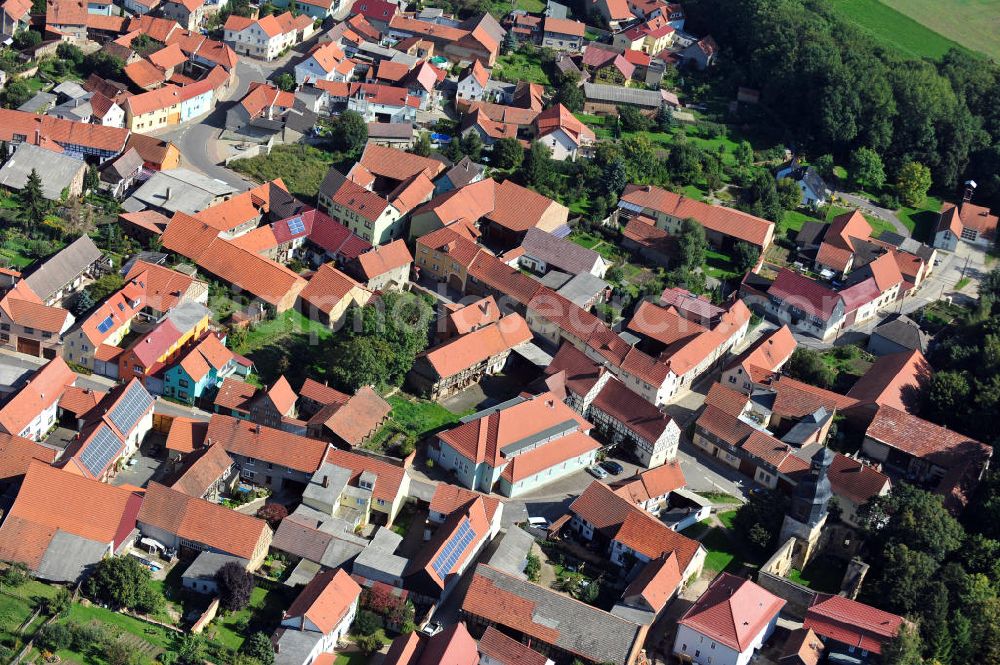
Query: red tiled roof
pixel 656 583
pixel 852 623
pixel 630 409
pixel 720 219
pixel 41 392
pixel 25 308
pixel 726 399
pixel 806 294
pixel 796 399
pixel 204 471
pixel 564 26
pixel 448 498
pixel 389 476
pixel 894 380
pixel 326 600
pixel 321 394
pixel 482 439
pixel 732 611
pixel 200 521
pixel 186 434
pixel 235 394
pixel 508 651
pixel 463 352
pixel 16 454
pixel 769 352
pixel 164 287
pixel 334 237
pixel 519 209
pixel 776 454
pixel 328 288
pixel 52 499
pixel 922 439
pixel 855 481
pixel 653 483
pixel 355 419
pixel 31 125
pixel 248 439
pixel 549 456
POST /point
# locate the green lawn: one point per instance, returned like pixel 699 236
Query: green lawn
pixel 721 554
pixel 823 574
pixel 793 220
pixel 354 658
pixel 896 30
pixel 585 239
pixel 727 518
pixel 155 635
pixel 719 265
pixel 719 497
pixel 288 323
pixel 263 614
pixel 518 66
pixel 921 220
pixel 301 167
pixel 415 417
pixel 974 24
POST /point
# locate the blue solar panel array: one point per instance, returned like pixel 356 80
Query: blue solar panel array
pixel 453 549
pixel 130 408
pixel 105 325
pixel 102 449
pixel 296 226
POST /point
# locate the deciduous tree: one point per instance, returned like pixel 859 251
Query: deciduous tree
pixel 235 586
pixel 867 169
pixel 912 183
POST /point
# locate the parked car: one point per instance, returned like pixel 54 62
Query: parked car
pixel 431 629
pixel 612 467
pixel 597 472
pixel 538 522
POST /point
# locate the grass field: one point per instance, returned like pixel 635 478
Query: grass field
pixel 302 167
pixel 518 66
pixel 895 24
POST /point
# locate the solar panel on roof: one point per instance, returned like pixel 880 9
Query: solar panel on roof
pixel 101 450
pixel 130 408
pixel 105 325
pixel 296 225
pixel 453 549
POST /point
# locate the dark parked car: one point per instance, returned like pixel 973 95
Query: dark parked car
pixel 612 467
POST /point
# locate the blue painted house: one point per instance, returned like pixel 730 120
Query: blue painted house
pixel 203 368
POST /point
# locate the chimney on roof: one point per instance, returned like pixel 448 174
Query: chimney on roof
pixel 166 194
pixel 326 481
pixel 550 403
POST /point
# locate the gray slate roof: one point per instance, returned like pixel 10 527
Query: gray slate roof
pixel 903 331
pixel 67 556
pixel 207 564
pixel 56 170
pixel 584 630
pixel 616 94
pixel 582 288
pixel 511 554
pixel 63 268
pixel 559 253
pixel 176 190
pixel 390 130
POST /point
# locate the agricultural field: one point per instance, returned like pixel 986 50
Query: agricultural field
pixel 925 28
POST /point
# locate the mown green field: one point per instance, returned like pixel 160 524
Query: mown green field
pixel 917 28
pixel 975 24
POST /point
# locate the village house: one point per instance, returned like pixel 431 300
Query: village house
pixel 267 456
pixel 208 473
pixel 528 611
pixel 108 324
pixel 165 288
pixel 268 37
pixel 472 84
pixel 178 522
pixel 66 541
pixel 27 325
pixel 202 369
pixel 851 627
pixel 563 34
pixel 317 620
pixel 728 623
pixel 324 62
pixel 764 357
pixel 383 268
pixel 517 446
pixel 651 489
pixel 112 432
pixel 465 360
pixel 564 135
pixel 31 412
pixel 84 139
pixel 149 354
pixel 65 273
pixel 966 222
pixel 476 38
pixel 330 294
pixel 620 415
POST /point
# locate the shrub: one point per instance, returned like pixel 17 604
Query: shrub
pixel 235 586
pixel 370 644
pixel 272 513
pixel 367 623
pixel 86 635
pixel 259 648
pixel 55 637
pixel 16 574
